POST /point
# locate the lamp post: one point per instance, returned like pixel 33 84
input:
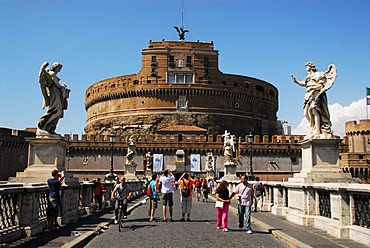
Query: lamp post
pixel 111 176
pixel 215 165
pixel 290 160
pixel 250 173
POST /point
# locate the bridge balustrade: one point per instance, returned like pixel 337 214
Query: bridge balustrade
pixel 23 206
pixel 342 210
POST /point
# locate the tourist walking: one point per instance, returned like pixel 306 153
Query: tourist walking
pixel 166 181
pixel 186 185
pixel 153 198
pixel 205 190
pixel 99 191
pixel 259 192
pixel 198 187
pixel 54 203
pixel 245 202
pixel 121 193
pixel 222 195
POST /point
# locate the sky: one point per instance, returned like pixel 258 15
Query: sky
pixel 264 39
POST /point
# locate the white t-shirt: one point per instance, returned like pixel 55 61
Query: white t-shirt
pixel 166 182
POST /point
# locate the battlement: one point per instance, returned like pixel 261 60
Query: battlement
pixel 354 128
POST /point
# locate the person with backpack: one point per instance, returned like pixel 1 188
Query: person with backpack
pixel 186 185
pixel 198 187
pixel 152 193
pixel 259 192
pixel 205 190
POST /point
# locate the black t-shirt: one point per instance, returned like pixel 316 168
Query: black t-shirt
pixel 223 194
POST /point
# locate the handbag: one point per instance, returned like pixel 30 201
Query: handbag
pixel 219 204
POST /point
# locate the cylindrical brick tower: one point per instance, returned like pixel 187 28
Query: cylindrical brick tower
pixel 180 85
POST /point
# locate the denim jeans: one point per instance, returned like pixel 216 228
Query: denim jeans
pixel 124 207
pixel 245 211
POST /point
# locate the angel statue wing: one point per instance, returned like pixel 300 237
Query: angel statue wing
pixel 44 84
pixel 328 78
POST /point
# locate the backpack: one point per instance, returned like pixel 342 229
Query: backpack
pixel 185 192
pixel 258 189
pixel 197 183
pixel 149 191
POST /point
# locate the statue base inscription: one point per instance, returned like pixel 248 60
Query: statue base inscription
pixel 320 163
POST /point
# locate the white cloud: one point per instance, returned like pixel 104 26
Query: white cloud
pixel 339 115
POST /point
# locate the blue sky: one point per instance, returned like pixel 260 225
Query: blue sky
pixel 265 39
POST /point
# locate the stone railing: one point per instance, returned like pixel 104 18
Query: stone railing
pixel 23 206
pixel 342 210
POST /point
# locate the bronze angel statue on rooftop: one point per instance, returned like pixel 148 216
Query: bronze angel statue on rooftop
pixel 181 32
pixel 315 105
pixel 55 97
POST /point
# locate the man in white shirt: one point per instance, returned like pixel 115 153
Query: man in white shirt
pixel 166 181
pixel 246 194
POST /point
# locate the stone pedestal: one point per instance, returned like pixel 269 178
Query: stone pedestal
pixel 148 173
pixel 130 171
pixel 44 155
pixel 320 163
pixel 230 171
pixel 210 174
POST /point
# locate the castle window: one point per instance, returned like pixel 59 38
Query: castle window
pixel 148 81
pixel 171 61
pixel 223 82
pixel 180 78
pixel 136 81
pixel 205 72
pixel 271 93
pixel 188 61
pixel 206 61
pixel 113 86
pixel 259 88
pixel 236 84
pixel 360 156
pixel 154 59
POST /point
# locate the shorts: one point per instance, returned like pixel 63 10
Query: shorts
pixel 167 199
pixel 53 207
pixel 153 203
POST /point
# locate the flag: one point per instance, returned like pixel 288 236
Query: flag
pixel 367 96
pixel 195 162
pixel 367 100
pixel 157 162
pixel 367 91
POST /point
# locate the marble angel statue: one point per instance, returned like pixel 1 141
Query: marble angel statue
pixel 131 149
pixel 228 147
pixel 315 105
pixel 55 97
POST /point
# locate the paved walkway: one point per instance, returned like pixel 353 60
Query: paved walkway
pixel 269 231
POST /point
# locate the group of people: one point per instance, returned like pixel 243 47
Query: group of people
pixel 248 194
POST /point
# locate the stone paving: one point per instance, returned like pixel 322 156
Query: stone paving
pixel 200 232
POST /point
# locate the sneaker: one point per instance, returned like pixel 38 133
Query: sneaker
pixel 182 219
pixel 226 230
pixel 249 232
pixel 125 216
pixel 240 226
pixel 164 220
pixel 188 219
pixel 171 220
pixel 218 227
pixel 115 221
